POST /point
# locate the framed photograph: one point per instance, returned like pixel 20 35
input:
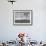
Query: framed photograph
pixel 22 17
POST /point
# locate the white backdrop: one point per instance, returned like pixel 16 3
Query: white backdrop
pixel 37 31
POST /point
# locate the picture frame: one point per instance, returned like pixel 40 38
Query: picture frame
pixel 22 17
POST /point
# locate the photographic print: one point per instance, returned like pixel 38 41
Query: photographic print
pixel 22 17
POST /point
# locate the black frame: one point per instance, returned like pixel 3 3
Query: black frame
pixel 23 24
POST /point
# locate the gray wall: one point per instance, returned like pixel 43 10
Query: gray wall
pixel 38 30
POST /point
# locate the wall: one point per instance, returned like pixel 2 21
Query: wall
pixel 37 31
